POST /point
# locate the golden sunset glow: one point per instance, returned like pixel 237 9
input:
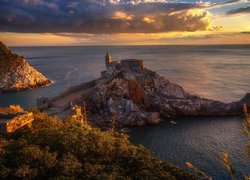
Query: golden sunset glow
pixel 125 89
pixel 133 22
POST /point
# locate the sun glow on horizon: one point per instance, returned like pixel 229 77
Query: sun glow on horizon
pixel 118 23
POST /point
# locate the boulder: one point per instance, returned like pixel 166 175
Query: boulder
pixel 153 118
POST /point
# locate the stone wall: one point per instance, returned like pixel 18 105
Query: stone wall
pixel 130 67
pixel 11 125
pixel 112 67
pixel 78 115
pixel 83 86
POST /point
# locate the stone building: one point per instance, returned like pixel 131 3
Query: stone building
pixel 111 66
pixel 78 115
pixel 11 122
pixel 129 67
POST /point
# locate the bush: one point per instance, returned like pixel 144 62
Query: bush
pixel 53 149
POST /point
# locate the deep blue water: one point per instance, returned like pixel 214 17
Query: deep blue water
pixel 218 72
pixel 200 141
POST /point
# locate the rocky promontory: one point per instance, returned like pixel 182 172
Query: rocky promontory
pixel 149 98
pixel 136 96
pixel 16 74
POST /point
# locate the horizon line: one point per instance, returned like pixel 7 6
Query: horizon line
pixel 129 45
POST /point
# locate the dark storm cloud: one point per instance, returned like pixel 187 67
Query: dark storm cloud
pixel 245 32
pixel 99 16
pixel 243 10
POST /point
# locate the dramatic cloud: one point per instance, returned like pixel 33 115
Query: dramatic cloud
pixel 243 10
pixel 227 3
pixel 102 16
pixel 245 32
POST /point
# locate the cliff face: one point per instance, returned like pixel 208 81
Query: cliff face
pixel 134 97
pixel 16 74
pixel 149 97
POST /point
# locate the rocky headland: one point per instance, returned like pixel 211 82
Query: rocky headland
pixel 136 96
pixel 16 74
pixel 150 98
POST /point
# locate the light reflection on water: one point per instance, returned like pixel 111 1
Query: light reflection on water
pixel 198 140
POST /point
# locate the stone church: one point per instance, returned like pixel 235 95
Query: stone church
pixel 127 66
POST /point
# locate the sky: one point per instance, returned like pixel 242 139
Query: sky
pixel 124 22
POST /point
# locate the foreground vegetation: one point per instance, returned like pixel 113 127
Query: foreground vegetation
pixel 246 128
pixel 246 131
pixel 12 109
pixel 53 149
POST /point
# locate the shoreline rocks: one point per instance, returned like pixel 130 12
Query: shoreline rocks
pixel 130 97
pixel 149 98
pixel 16 74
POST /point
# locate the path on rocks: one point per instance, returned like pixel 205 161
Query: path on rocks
pixel 60 104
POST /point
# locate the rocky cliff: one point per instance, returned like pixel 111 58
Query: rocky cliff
pixel 16 74
pixel 149 98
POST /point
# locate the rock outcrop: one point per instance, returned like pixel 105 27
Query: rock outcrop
pixel 13 118
pixel 136 96
pixel 16 74
pixel 147 99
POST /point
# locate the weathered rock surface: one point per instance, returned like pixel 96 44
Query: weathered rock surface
pixel 149 97
pixel 136 98
pixel 16 74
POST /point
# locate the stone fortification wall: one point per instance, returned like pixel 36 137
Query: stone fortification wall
pixel 44 103
pixel 83 86
pixel 130 67
pixel 11 125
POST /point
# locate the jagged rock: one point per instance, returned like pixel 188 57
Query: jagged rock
pixel 16 74
pixel 168 88
pixel 246 99
pixel 153 118
pixel 143 100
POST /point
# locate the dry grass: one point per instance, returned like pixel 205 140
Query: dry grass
pixel 246 124
pixel 228 164
pixel 246 131
pixel 198 172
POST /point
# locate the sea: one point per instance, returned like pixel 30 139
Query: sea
pixel 220 72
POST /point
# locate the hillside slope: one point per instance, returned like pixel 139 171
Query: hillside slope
pixel 16 74
pixel 51 148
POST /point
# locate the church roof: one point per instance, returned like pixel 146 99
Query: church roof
pixel 108 55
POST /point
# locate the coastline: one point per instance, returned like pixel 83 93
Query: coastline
pixel 38 85
pixel 158 99
pixel 165 132
pixel 16 74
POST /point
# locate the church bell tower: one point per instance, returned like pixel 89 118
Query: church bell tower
pixel 108 58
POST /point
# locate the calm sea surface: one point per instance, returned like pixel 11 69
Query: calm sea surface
pixel 218 72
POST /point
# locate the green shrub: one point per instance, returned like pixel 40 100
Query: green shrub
pixel 53 149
